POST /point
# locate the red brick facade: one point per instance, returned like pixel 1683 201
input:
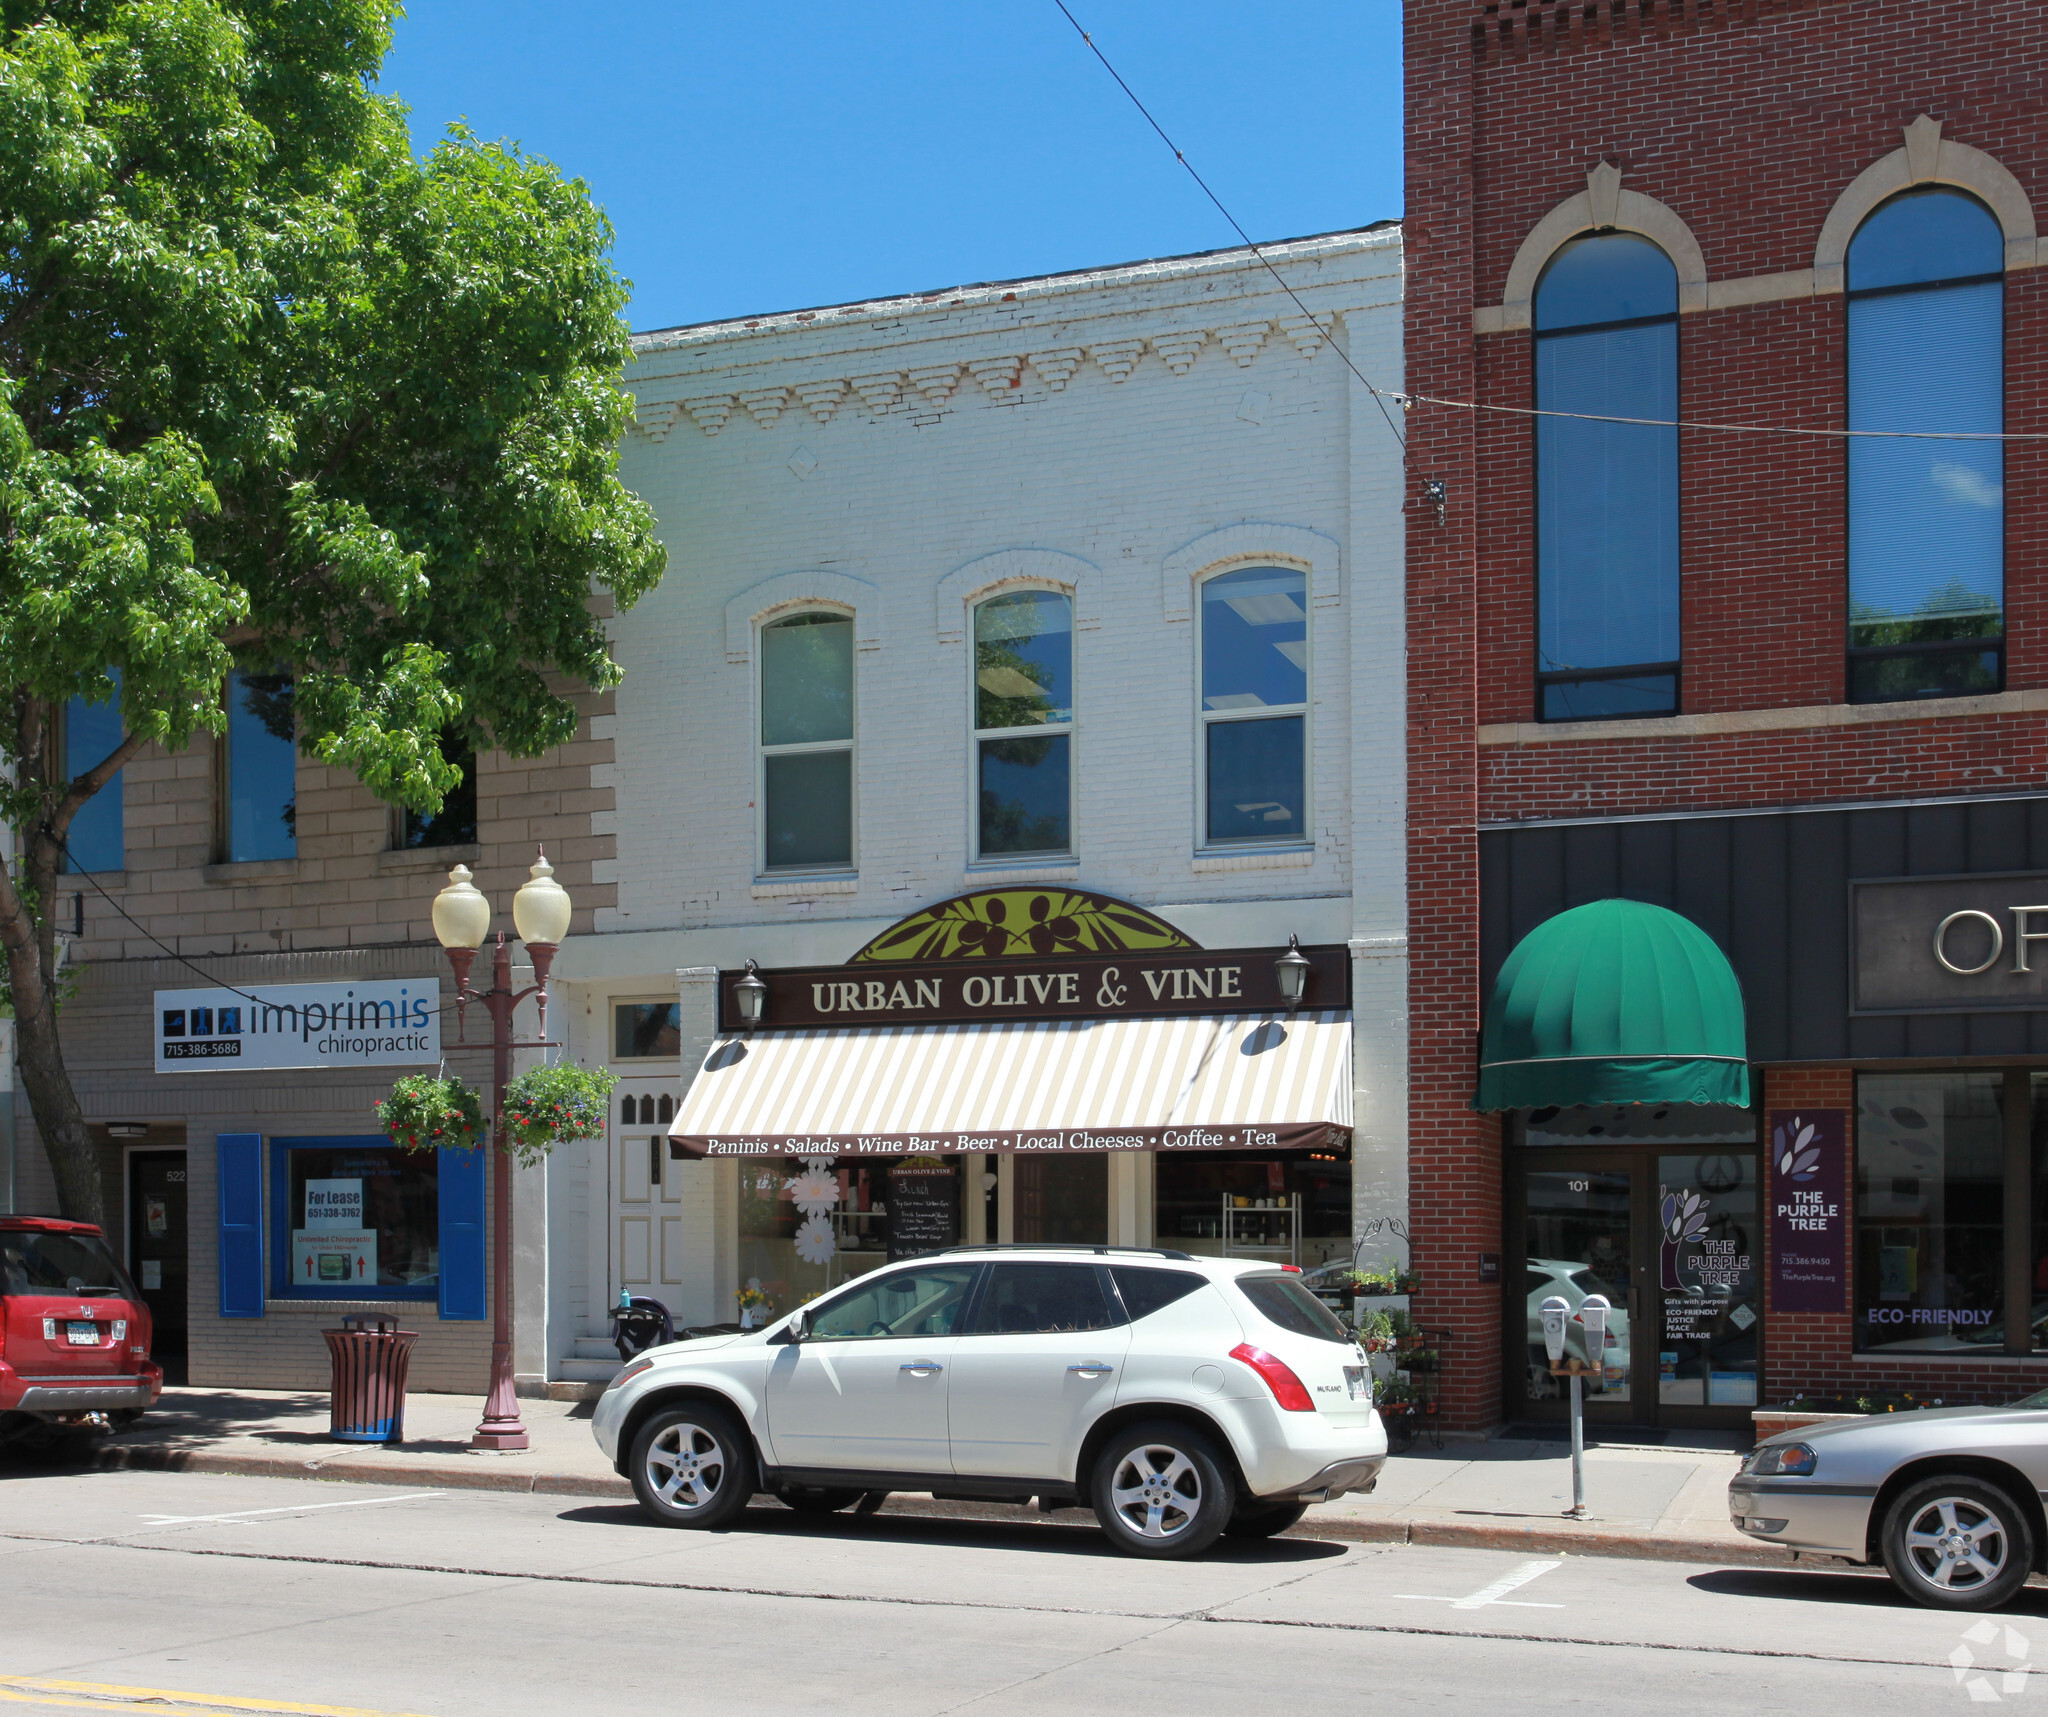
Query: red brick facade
pixel 1748 120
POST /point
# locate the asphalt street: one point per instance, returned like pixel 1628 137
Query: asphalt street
pixel 214 1594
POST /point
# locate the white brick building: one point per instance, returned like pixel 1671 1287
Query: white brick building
pixel 1111 439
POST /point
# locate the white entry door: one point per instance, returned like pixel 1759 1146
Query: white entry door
pixel 649 1250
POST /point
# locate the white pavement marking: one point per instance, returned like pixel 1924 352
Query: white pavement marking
pixel 296 1508
pixel 1497 1593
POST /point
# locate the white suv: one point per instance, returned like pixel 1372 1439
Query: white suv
pixel 1181 1397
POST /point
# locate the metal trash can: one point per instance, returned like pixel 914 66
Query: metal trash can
pixel 367 1402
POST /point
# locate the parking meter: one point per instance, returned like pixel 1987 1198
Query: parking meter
pixel 1593 1314
pixel 1553 1312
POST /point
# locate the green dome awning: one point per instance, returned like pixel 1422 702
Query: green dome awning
pixel 1614 1002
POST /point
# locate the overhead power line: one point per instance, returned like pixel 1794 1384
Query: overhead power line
pixel 1380 398
pixel 1410 399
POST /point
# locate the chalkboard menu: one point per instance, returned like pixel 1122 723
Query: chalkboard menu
pixel 924 1211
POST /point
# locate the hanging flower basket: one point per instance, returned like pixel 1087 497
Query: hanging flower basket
pixel 426 1114
pixel 546 1105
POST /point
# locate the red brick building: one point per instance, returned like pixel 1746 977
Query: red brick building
pixel 1792 687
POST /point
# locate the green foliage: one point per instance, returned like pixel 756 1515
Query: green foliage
pixel 273 391
pixel 424 1113
pixel 545 1105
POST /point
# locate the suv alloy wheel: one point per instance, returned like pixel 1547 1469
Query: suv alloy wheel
pixel 693 1466
pixel 1160 1490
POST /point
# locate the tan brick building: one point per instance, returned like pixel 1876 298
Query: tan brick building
pixel 186 909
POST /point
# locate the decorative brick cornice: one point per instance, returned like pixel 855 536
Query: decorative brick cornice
pixel 893 355
pixel 1512 29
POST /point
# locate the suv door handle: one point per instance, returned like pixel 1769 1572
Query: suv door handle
pixel 1093 1368
pixel 920 1365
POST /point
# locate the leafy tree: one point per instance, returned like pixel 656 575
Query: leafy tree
pixel 275 393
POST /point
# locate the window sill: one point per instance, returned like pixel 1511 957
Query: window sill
pixel 1921 1356
pixel 1258 858
pixel 250 870
pixel 797 886
pixel 1021 869
pixel 429 858
pixel 346 1308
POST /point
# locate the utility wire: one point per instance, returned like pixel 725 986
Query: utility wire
pixel 1408 399
pixel 213 981
pixel 1379 398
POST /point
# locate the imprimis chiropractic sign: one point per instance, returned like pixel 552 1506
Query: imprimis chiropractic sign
pixel 270 1026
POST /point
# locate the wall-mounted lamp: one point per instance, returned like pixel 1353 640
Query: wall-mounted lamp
pixel 1437 493
pixel 752 996
pixel 1292 970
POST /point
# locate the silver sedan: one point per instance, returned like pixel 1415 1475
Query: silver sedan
pixel 1947 1498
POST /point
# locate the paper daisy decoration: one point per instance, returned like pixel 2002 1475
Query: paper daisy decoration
pixel 814 1241
pixel 814 1192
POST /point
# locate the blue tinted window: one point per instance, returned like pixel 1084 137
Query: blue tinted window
pixel 262 768
pixel 1026 787
pixel 1612 277
pixel 1255 660
pixel 91 731
pixel 1923 236
pixel 1926 518
pixel 1024 660
pixel 1607 492
pixel 1256 789
pixel 1255 639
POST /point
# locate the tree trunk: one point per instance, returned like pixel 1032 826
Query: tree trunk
pixel 55 1106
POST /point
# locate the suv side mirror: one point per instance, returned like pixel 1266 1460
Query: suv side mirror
pixel 799 1325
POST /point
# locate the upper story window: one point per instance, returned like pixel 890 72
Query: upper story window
pixel 1607 493
pixel 95 840
pixel 1254 709
pixel 1926 284
pixel 260 776
pixel 806 783
pixel 1024 724
pixel 454 825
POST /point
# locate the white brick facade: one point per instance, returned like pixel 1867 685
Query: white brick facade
pixel 1117 433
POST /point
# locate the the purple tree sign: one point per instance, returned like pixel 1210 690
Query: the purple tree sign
pixel 1809 1211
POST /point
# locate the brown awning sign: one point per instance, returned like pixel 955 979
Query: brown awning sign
pixel 1219 1082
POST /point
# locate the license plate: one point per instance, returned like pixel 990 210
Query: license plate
pixel 82 1334
pixel 1356 1380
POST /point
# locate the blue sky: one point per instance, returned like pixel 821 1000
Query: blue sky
pixel 770 156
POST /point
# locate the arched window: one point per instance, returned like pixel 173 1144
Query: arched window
pixel 1607 493
pixel 1926 285
pixel 1254 709
pixel 806 787
pixel 1024 724
pixel 626 1108
pixel 666 1112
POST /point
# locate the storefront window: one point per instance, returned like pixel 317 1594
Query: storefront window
pixel 810 1224
pixel 1289 1209
pixel 1930 1250
pixel 357 1219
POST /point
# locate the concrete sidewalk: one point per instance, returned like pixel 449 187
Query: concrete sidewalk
pixel 1667 1501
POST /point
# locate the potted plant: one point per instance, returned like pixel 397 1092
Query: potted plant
pixel 546 1105
pixel 426 1113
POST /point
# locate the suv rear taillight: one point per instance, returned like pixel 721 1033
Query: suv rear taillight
pixel 1287 1388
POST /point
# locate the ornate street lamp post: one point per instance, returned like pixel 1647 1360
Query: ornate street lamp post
pixel 462 918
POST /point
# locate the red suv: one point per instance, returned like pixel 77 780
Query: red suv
pixel 74 1339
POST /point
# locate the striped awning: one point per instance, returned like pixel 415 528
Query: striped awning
pixel 1210 1082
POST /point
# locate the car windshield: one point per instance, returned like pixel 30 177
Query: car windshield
pixel 2039 1399
pixel 1284 1301
pixel 33 1261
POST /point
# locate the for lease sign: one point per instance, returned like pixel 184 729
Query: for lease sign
pixel 378 1024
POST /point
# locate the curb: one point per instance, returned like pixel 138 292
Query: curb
pixel 1533 1540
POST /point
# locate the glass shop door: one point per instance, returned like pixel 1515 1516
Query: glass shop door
pixel 1674 1240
